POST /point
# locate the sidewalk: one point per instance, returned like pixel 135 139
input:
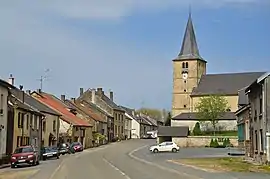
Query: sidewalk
pixel 4 166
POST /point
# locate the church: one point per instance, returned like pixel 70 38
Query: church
pixel 191 82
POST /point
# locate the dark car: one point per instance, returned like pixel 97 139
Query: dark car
pixel 77 146
pixel 24 155
pixel 50 152
pixel 63 148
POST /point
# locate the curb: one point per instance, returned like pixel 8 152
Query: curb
pixel 4 166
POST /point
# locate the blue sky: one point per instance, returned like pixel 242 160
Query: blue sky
pixel 127 46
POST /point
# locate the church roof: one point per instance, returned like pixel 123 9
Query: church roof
pixel 227 83
pixel 189 49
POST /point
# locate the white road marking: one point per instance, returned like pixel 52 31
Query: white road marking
pixel 159 166
pixel 117 169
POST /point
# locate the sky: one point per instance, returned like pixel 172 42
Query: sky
pixel 127 46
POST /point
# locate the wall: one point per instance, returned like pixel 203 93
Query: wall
pixel 127 127
pixel 225 125
pixel 135 129
pixel 3 119
pixel 119 122
pixel 180 97
pixel 49 128
pixel 201 141
pixel 232 102
pixel 64 127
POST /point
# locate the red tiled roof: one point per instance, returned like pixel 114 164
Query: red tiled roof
pixel 56 104
pixel 90 112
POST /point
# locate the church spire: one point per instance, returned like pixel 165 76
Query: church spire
pixel 189 49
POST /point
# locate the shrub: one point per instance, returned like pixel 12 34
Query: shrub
pixel 211 143
pixel 197 129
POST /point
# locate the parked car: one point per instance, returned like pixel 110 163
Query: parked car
pixel 64 148
pixel 25 155
pixel 76 146
pixel 50 152
pixel 164 147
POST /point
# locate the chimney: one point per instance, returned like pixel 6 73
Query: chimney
pixel 111 95
pixel 11 79
pixel 93 95
pixel 81 91
pixel 133 113
pixel 63 97
pixel 28 92
pixel 99 91
pixel 73 100
pixel 39 91
pixel 22 93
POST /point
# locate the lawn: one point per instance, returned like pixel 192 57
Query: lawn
pixel 236 164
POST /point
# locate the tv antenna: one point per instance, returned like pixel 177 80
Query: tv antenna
pixel 43 78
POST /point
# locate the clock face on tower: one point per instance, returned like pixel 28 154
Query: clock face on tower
pixel 185 76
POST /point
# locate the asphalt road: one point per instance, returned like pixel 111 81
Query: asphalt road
pixel 124 160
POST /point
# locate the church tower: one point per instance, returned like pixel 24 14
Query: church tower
pixel 188 67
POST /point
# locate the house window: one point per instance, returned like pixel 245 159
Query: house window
pixel 31 121
pixel 256 140
pixel 185 81
pixel 255 115
pixel 186 64
pixel 2 104
pixel 185 90
pixel 19 120
pixel 44 126
pixel 27 121
pixel 18 141
pixel 261 139
pixel 185 106
pixel 35 121
pixel 261 105
pixel 54 126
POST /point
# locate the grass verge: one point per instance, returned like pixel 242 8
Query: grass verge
pixel 236 164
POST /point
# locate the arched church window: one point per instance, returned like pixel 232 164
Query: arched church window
pixel 186 64
pixel 183 65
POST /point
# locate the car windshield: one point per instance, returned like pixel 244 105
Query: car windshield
pixel 54 148
pixel 47 149
pixel 24 150
pixel 76 143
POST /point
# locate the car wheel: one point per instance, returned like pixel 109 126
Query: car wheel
pixel 57 157
pixel 155 150
pixel 37 163
pixel 174 150
pixel 12 166
pixel 44 158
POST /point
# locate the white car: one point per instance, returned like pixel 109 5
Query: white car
pixel 165 147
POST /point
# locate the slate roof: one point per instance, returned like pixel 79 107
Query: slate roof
pixel 189 49
pixel 16 101
pixel 227 83
pixel 62 108
pixel 193 116
pixel 168 131
pixel 86 110
pixel 242 97
pixel 34 102
pixel 94 106
pixel 6 84
pixel 110 102
pixel 128 110
pixel 152 121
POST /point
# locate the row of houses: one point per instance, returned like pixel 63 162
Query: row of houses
pixel 42 119
pixel 253 119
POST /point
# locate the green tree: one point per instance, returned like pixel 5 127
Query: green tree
pixel 197 129
pixel 168 120
pixel 151 112
pixel 212 108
